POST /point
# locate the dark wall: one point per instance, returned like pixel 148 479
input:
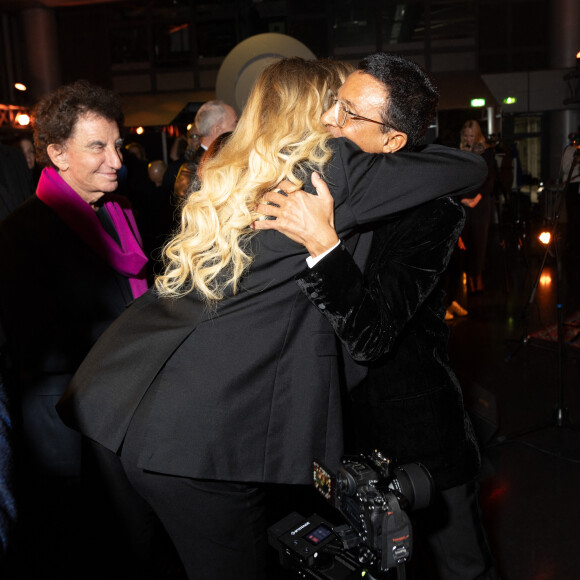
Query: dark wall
pixel 84 45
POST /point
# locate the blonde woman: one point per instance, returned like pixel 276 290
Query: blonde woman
pixel 478 208
pixel 224 378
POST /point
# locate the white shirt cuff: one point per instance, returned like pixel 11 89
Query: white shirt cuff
pixel 312 261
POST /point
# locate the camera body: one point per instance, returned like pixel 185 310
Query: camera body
pixel 373 496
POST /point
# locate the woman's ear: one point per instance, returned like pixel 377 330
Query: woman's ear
pixel 393 141
pixel 58 156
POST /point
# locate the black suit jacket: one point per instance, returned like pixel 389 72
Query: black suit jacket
pixel 247 391
pixel 56 298
pixel 391 318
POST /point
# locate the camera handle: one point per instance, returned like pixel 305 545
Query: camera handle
pixel 397 543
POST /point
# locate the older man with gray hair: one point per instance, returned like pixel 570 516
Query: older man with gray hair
pixel 212 119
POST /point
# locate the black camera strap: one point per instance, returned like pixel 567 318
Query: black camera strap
pixel 396 537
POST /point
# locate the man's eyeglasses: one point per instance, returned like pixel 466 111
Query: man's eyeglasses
pixel 341 113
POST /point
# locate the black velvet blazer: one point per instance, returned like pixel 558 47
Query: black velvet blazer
pixel 391 318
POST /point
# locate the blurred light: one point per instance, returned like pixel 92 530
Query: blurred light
pixel 510 101
pixel 497 494
pixel 178 28
pixel 578 54
pixel 20 87
pixel 545 280
pixel 23 119
pixel 189 126
pixel 478 102
pixel 544 237
pixel 139 130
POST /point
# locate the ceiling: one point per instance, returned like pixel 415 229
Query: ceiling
pixel 24 4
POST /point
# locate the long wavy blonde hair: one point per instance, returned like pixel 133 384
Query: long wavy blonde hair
pixel 278 136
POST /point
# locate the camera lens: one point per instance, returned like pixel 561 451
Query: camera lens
pixel 414 482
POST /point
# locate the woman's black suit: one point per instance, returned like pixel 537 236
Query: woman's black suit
pixel 247 391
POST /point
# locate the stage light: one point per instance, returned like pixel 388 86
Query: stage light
pixel 20 87
pixel 139 130
pixel 478 102
pixel 23 119
pixel 544 237
pixel 545 279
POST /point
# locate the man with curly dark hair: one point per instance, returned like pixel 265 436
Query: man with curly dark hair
pixel 71 262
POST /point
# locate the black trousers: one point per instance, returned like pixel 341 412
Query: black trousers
pixel 451 540
pixel 217 527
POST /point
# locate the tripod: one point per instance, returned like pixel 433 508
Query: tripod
pixel 560 417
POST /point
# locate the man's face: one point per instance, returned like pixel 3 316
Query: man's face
pixel 364 96
pixel 91 157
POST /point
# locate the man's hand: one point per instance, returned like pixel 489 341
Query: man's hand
pixel 305 218
pixel 471 201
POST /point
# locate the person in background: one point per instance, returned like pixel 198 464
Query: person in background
pixel 211 120
pixel 193 142
pixel 8 511
pixel 454 283
pixel 27 147
pixel 137 150
pixel 156 170
pixel 71 262
pixel 186 182
pixel 478 208
pixel 178 148
pixel 16 184
pixel 570 177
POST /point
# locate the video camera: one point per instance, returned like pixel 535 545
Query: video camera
pixel 372 495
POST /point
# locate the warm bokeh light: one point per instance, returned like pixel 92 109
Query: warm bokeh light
pixel 544 237
pixel 189 126
pixel 20 87
pixel 139 130
pixel 545 280
pixel 23 119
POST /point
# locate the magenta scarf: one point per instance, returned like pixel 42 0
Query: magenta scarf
pixel 128 259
